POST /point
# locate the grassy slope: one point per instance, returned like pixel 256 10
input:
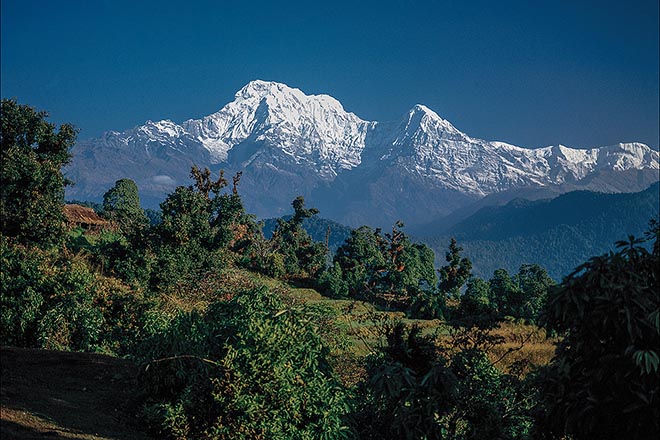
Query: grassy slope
pixel 47 394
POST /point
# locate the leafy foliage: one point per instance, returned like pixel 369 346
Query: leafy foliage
pixel 302 257
pixel 455 274
pixel 385 268
pixel 419 390
pixel 604 381
pixel 196 227
pixel 247 368
pixel 56 301
pixel 503 296
pixel 31 180
pixel 121 204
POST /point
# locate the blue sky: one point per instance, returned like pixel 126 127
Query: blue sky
pixel 533 73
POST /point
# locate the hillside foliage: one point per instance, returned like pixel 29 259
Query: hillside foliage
pixel 234 340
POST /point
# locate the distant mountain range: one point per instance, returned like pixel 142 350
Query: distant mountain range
pixel 560 233
pixel 417 169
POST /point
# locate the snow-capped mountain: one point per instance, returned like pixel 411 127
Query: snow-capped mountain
pixel 313 131
pixel 288 143
pixel 427 145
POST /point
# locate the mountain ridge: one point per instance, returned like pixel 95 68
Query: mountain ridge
pixel 288 143
pixel 559 233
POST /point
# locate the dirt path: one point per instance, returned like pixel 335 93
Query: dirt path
pixel 62 395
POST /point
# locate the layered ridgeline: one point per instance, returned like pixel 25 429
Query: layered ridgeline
pixel 288 144
pixel 559 233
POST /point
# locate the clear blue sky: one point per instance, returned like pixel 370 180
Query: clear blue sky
pixel 533 73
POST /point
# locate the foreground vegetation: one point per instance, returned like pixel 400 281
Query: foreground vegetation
pixel 239 336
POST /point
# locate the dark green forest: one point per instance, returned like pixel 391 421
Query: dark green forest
pixel 239 335
pixel 561 232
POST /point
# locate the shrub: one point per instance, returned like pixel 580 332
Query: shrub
pixel 57 301
pixel 247 368
pixel 604 381
pixel 21 292
pixel 418 390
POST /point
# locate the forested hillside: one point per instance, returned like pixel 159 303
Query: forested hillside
pixel 236 335
pixel 559 233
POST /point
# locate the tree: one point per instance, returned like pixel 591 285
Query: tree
pixel 31 179
pixel 121 204
pixel 533 283
pixel 387 267
pixel 331 281
pixel 303 257
pixel 360 260
pixel 475 303
pixel 604 381
pixel 503 291
pixel 521 296
pixel 454 275
pixel 196 229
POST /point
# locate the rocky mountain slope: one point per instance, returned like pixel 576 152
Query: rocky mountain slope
pixel 288 144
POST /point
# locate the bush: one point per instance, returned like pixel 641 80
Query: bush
pixel 57 301
pixel 604 381
pixel 247 368
pixel 21 292
pixel 418 390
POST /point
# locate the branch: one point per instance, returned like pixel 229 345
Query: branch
pixel 183 356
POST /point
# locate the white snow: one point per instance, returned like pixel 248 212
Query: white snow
pixel 314 131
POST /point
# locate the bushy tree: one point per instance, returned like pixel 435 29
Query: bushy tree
pixel 331 281
pixel 196 229
pixel 454 275
pixel 387 268
pixel 247 368
pixel 303 258
pixel 521 296
pixel 121 204
pixel 604 381
pixel 361 261
pixel 475 305
pixel 533 284
pixel 31 179
pixel 502 290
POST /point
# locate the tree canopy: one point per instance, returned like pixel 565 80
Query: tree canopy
pixel 604 382
pixel 121 204
pixel 31 179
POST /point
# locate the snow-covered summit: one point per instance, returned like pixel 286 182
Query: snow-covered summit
pixel 272 125
pixel 308 128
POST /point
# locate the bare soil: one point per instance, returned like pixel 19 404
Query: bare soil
pixel 62 395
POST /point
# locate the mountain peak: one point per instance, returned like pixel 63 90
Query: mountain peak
pixel 280 95
pixel 421 108
pixel 278 133
pixel 422 117
pixel 164 127
pixel 259 88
